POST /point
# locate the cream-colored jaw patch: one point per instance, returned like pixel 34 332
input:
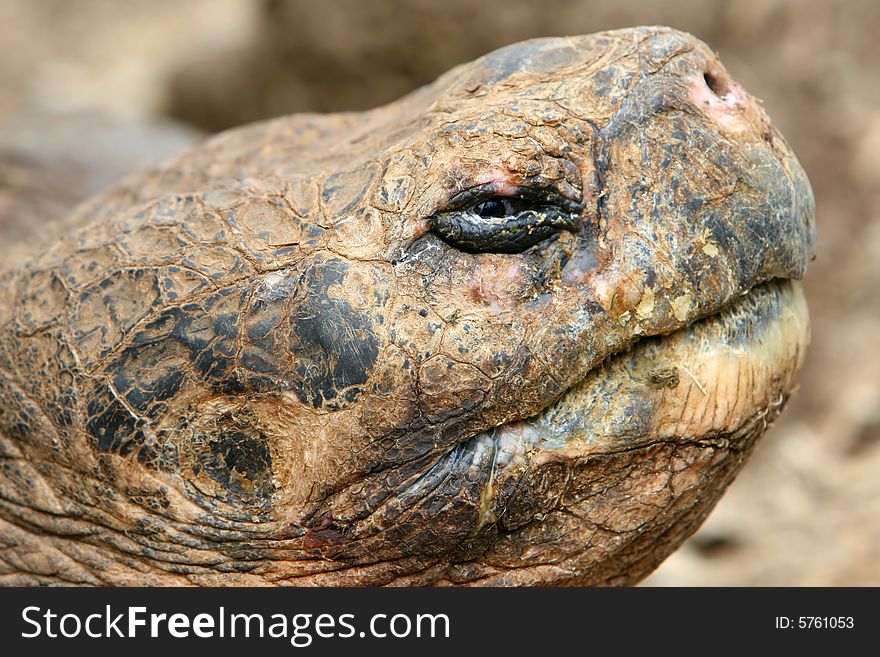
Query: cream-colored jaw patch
pixel 706 380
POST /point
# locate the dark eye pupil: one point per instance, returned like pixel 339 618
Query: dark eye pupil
pixel 491 208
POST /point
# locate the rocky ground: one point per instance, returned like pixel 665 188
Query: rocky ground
pixel 806 510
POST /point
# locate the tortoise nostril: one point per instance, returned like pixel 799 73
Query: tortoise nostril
pixel 717 84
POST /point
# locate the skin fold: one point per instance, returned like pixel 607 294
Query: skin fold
pixel 319 350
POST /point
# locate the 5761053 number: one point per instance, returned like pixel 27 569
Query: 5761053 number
pixel 815 622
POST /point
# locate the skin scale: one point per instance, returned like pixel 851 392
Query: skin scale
pixel 265 362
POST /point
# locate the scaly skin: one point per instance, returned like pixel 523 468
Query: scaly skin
pixel 261 364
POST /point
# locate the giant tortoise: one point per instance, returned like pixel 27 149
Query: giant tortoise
pixel 521 327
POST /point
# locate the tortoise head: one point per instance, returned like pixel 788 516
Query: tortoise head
pixel 520 327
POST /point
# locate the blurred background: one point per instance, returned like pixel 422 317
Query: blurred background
pixel 92 89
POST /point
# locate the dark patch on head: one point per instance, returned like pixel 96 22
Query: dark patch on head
pixel 257 362
pixel 721 230
pixel 234 453
pixel 302 336
pixel 163 388
pixel 112 425
pixel 141 391
pixel 152 369
pixel 224 325
pixel 241 453
pixel 748 257
pixel 334 345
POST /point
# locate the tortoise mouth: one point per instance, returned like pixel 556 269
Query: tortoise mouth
pixel 702 382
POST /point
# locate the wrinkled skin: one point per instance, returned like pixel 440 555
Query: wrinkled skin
pixel 262 364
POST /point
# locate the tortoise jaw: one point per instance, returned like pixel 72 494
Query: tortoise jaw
pixel 702 382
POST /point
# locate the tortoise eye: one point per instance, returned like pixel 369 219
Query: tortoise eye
pixel 492 208
pixel 506 224
pixel 504 206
